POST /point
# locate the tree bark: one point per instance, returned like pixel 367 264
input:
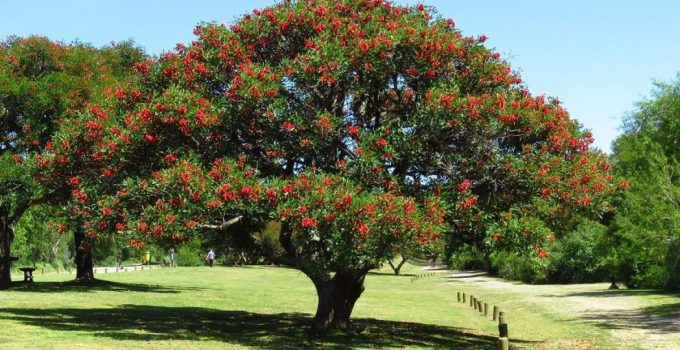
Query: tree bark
pixel 84 263
pixel 337 297
pixel 5 242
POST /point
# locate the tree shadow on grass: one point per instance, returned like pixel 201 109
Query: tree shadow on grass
pixel 261 331
pixel 665 310
pixel 389 274
pixel 660 319
pixel 92 286
pixel 604 293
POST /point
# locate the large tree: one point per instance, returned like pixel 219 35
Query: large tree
pixel 362 126
pixel 41 82
pixel 645 230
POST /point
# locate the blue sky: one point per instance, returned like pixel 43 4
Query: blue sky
pixel 597 57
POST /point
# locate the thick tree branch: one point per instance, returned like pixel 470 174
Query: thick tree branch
pixel 224 225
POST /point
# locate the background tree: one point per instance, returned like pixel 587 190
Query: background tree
pixel 361 125
pixel 40 83
pixel 39 240
pixel 645 229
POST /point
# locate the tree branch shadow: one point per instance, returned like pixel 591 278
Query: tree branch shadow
pixel 96 285
pixel 261 331
pixel 659 319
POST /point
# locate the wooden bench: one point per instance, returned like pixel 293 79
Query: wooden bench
pixel 28 273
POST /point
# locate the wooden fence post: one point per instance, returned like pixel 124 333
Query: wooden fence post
pixel 495 312
pixel 486 309
pixel 463 297
pixel 503 343
pixel 459 297
pixel 502 326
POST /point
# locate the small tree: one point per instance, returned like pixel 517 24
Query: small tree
pixel 362 126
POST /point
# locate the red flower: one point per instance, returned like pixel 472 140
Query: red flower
pixel 354 131
pixel 509 118
pixel 469 203
pixel 288 126
pixel 96 156
pixel 409 207
pixel 106 211
pixel 246 191
pixel 545 192
pixel 624 184
pixel 380 143
pixel 196 196
pixel 74 181
pixel 347 199
pixel 464 186
pixel 255 93
pixel 93 125
pixel 170 158
pixel 214 203
pixel 120 93
pixel 308 222
pixel 137 244
pixel 150 138
pixel 158 231
pixel 362 229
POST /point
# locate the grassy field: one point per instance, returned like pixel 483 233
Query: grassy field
pixel 268 308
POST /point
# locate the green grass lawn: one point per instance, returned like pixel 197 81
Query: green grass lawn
pixel 266 308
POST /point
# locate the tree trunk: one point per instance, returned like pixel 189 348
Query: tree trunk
pixel 84 264
pixel 397 268
pixel 5 242
pixel 336 299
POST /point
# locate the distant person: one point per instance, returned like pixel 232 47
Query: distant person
pixel 173 256
pixel 211 258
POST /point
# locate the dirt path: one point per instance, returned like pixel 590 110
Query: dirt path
pixel 618 313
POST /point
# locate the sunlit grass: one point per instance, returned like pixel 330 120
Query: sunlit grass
pixel 269 308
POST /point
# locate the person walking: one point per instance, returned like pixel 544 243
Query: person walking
pixel 173 256
pixel 211 257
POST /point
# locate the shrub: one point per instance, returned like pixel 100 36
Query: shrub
pixel 514 266
pixel 469 258
pixel 190 254
pixel 579 256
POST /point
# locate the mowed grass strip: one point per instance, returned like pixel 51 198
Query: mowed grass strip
pixel 265 308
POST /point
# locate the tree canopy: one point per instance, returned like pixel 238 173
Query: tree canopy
pixel 41 83
pixel 362 126
pixel 645 229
